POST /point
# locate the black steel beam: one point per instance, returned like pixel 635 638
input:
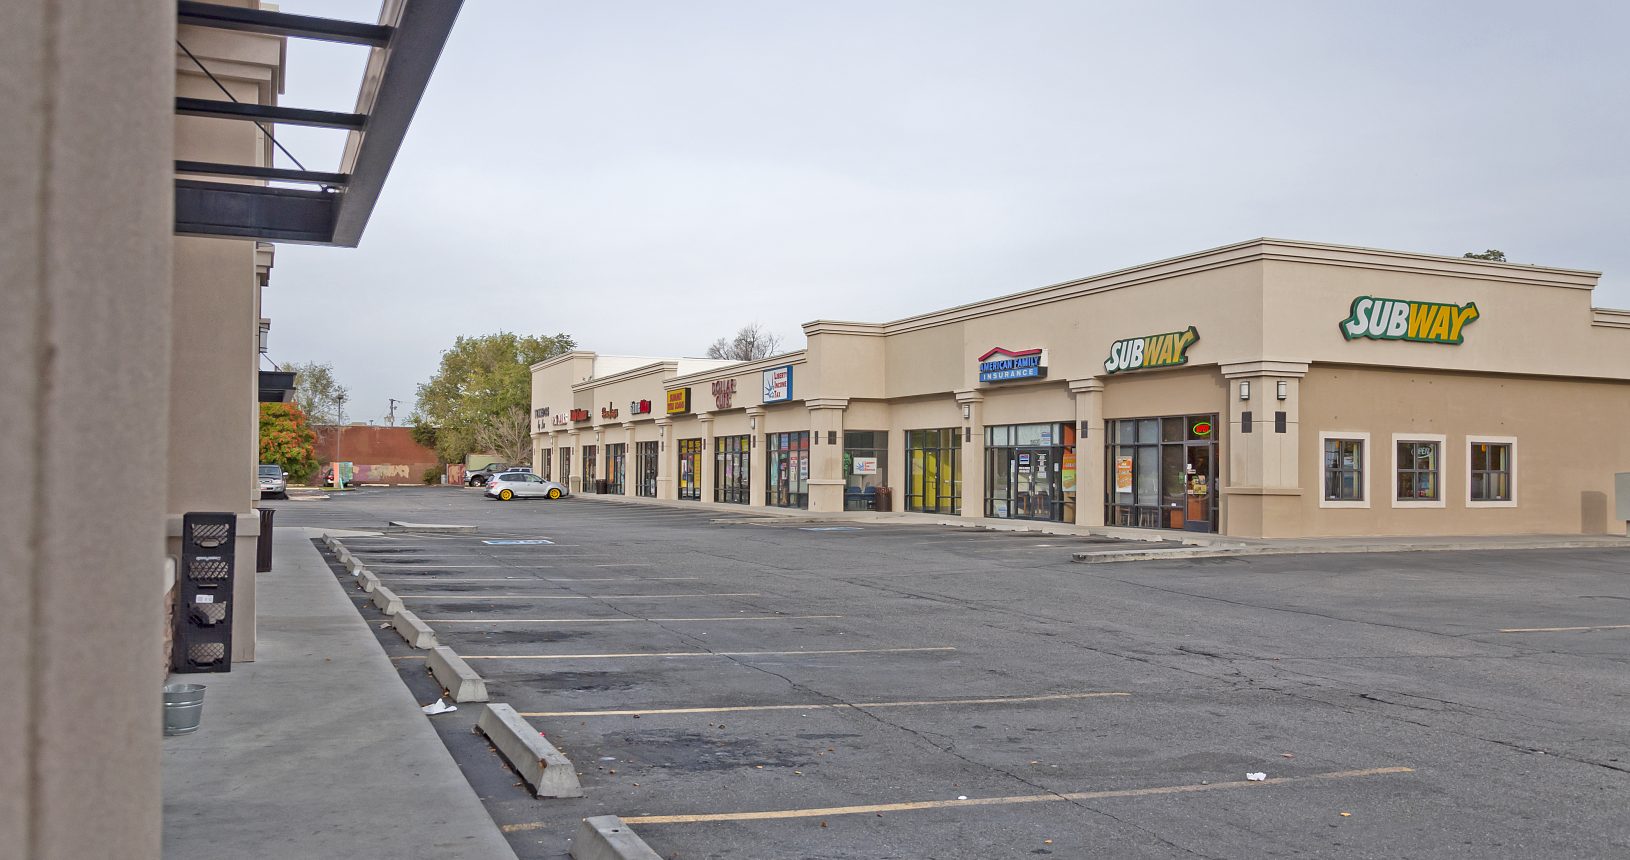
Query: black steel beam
pixel 273 174
pixel 281 24
pixel 422 28
pixel 269 113
pixel 254 212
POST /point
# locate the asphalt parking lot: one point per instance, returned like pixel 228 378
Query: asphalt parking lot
pixel 741 688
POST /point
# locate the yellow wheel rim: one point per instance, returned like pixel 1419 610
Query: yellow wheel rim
pixel 554 494
pixel 506 495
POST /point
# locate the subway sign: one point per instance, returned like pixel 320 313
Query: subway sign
pixel 1151 351
pixel 1005 365
pixel 1399 319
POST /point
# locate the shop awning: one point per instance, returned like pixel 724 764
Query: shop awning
pixel 334 211
pixel 276 386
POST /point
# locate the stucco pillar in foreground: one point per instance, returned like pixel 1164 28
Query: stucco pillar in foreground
pixel 826 453
pixel 759 467
pixel 1090 436
pixel 972 467
pixel 1261 480
pixel 704 475
pixel 665 460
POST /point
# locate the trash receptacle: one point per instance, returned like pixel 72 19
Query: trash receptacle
pixel 183 708
pixel 602 486
pixel 885 500
pixel 263 544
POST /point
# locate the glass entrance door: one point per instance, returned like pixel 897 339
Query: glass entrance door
pixel 1035 483
pixel 1200 481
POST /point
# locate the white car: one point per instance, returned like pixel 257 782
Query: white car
pixel 274 482
pixel 522 485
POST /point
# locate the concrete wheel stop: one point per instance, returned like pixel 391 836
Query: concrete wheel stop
pixel 462 683
pixel 545 769
pixel 606 837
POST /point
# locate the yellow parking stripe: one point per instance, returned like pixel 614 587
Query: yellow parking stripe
pixel 700 654
pixel 879 808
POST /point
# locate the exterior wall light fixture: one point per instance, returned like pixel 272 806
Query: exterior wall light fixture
pixel 1245 389
pixel 967 411
pixel 1284 389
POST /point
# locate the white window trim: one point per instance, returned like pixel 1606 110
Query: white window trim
pixel 1494 440
pixel 1442 500
pixel 1368 481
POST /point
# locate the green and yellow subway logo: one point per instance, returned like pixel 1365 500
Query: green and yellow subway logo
pixel 1397 319
pixel 1150 351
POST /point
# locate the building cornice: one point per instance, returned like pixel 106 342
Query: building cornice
pixel 798 357
pixel 663 367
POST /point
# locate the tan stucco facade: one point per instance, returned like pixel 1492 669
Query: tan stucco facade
pixel 1269 349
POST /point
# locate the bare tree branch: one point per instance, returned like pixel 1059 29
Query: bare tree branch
pixel 751 343
pixel 507 434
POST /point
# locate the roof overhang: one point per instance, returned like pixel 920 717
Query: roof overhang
pixel 405 45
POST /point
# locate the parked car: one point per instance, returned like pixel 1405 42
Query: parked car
pixel 274 482
pixel 518 484
pixel 479 477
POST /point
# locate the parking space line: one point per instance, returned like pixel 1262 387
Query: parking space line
pixel 994 700
pixel 701 654
pixel 1563 629
pixel 569 596
pixel 626 578
pixel 615 620
pixel 880 808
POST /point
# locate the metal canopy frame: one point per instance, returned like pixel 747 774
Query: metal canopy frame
pixel 405 47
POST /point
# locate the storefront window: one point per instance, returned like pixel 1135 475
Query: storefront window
pixel 865 468
pixel 589 474
pixel 1162 472
pixel 566 468
pixel 1491 472
pixel 1418 470
pixel 690 469
pixel 1344 470
pixel 544 462
pixel 934 470
pixel 616 463
pixel 731 472
pixel 787 455
pixel 1030 470
pixel 645 468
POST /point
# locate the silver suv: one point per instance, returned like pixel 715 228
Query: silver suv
pixel 274 482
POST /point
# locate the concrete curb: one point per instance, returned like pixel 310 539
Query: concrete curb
pixel 543 767
pixel 353 564
pixel 416 632
pixel 433 528
pixel 386 600
pixel 462 683
pixel 606 837
pixel 366 580
pixel 1181 553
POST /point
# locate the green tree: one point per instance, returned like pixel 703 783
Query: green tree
pixel 1492 254
pixel 286 438
pixel 480 383
pixel 319 394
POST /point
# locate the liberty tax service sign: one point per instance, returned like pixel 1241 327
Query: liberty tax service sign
pixel 778 384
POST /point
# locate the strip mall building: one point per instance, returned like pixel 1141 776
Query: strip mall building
pixel 1265 389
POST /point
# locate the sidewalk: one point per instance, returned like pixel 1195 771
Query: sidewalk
pixel 316 749
pixel 1193 544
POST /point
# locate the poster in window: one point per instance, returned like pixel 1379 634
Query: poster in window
pixel 864 466
pixel 803 468
pixel 1123 474
pixel 1067 477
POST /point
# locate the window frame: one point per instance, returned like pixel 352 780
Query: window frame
pixel 1366 479
pixel 1476 439
pixel 1442 501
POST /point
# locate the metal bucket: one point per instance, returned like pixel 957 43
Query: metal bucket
pixel 183 708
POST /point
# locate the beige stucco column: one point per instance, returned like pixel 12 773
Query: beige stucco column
pixel 666 486
pixel 704 477
pixel 1262 483
pixel 1089 450
pixel 630 460
pixel 826 453
pixel 574 481
pixel 758 466
pixel 972 405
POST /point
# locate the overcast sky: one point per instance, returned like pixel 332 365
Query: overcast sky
pixel 648 176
